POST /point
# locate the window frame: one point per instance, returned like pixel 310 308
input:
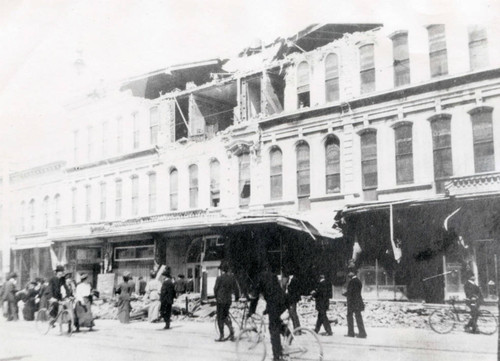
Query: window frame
pixel 134 195
pixel 438 54
pixel 276 174
pixel 244 178
pixel 478 47
pixel 154 124
pixel 118 198
pixel 214 182
pixel 370 159
pixel 103 200
pixel 88 201
pixel 401 59
pixel 403 159
pixel 479 143
pixel 442 151
pixel 152 184
pixel 366 68
pixel 303 85
pixel 193 186
pixel 332 79
pixel 331 164
pixel 173 193
pixel 57 209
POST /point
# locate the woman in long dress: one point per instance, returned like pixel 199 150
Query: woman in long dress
pixel 124 291
pixel 83 312
pixel 153 289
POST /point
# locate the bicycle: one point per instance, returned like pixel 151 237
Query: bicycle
pixel 44 321
pixel 300 344
pixel 444 320
pixel 239 323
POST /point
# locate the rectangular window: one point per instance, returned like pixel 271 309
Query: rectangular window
pixel 369 159
pixel 88 201
pixel 332 78
pixel 73 205
pixel 154 125
pixel 46 212
pixel 90 144
pixel 152 193
pixel 174 184
pixel 367 68
pixel 303 87
pixel 137 130
pixel 103 201
pixel 193 186
pixel 404 154
pixel 119 135
pixel 105 135
pixel 482 133
pixel 478 47
pixel 438 54
pixel 276 174
pixel 244 179
pixel 303 171
pixel 401 59
pixel 57 210
pixel 140 253
pixel 441 141
pixel 135 195
pixel 214 183
pixel 76 149
pixel 118 198
pixel 332 165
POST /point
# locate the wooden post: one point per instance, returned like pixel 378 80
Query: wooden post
pixel 204 279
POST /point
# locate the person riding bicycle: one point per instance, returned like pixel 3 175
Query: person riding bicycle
pixel 54 293
pixel 268 285
pixel 473 300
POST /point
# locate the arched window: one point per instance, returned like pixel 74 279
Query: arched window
pixel 367 68
pixel 103 201
pixel 135 195
pixel 276 162
pixel 369 159
pixel 332 164
pixel 482 134
pixel 303 87
pixel 57 209
pixel 244 178
pixel 32 215
pixel 332 78
pixel 174 184
pixel 303 176
pixel 441 145
pixel 152 193
pixel 403 137
pixel 45 206
pixel 214 183
pixel 193 186
pixel 88 203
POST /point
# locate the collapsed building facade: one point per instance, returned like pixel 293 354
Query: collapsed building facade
pixel 252 159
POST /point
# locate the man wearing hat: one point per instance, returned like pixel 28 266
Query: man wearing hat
pixel 354 305
pixel 54 290
pixel 322 295
pixel 167 296
pixel 473 300
pixel 225 286
pixel 9 296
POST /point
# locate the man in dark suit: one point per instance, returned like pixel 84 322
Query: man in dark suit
pixel 225 287
pixel 167 296
pixel 54 290
pixel 474 299
pixel 268 285
pixel 9 295
pixel 292 294
pixel 322 296
pixel 354 305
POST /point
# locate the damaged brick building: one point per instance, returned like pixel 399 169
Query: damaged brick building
pixel 251 159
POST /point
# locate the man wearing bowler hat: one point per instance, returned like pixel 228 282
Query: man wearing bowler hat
pixel 167 296
pixel 225 286
pixel 54 290
pixel 354 305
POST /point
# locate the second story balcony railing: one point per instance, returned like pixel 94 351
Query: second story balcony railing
pixel 476 183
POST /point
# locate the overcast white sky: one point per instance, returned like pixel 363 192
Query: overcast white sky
pixel 120 38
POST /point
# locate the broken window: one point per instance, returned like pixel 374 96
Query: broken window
pixel 303 176
pixel 401 59
pixel 181 117
pixel 154 125
pixel 214 183
pixel 174 189
pixel 303 86
pixel 276 160
pixel 273 91
pixel 251 90
pixel 478 47
pixel 403 137
pixel 332 157
pixel 482 133
pixel 369 159
pixel 332 78
pixel 244 178
pixel 193 186
pixel 438 54
pixel 441 143
pixel 367 68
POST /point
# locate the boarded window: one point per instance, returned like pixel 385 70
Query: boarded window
pixel 154 125
pixel 478 47
pixel 303 85
pixel 244 178
pixel 482 132
pixel 401 59
pixel 174 184
pixel 103 202
pixel 332 165
pixel 152 193
pixel 367 68
pixel 441 142
pixel 369 159
pixel 404 153
pixel 332 78
pixel 214 183
pixel 193 186
pixel 438 54
pixel 276 171
pixel 118 198
pixel 135 195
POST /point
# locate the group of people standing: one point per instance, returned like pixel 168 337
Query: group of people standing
pixel 285 296
pixel 48 294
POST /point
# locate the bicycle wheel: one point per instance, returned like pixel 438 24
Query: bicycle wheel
pixel 42 321
pixel 250 346
pixel 442 321
pixel 65 323
pixel 486 323
pixel 303 344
